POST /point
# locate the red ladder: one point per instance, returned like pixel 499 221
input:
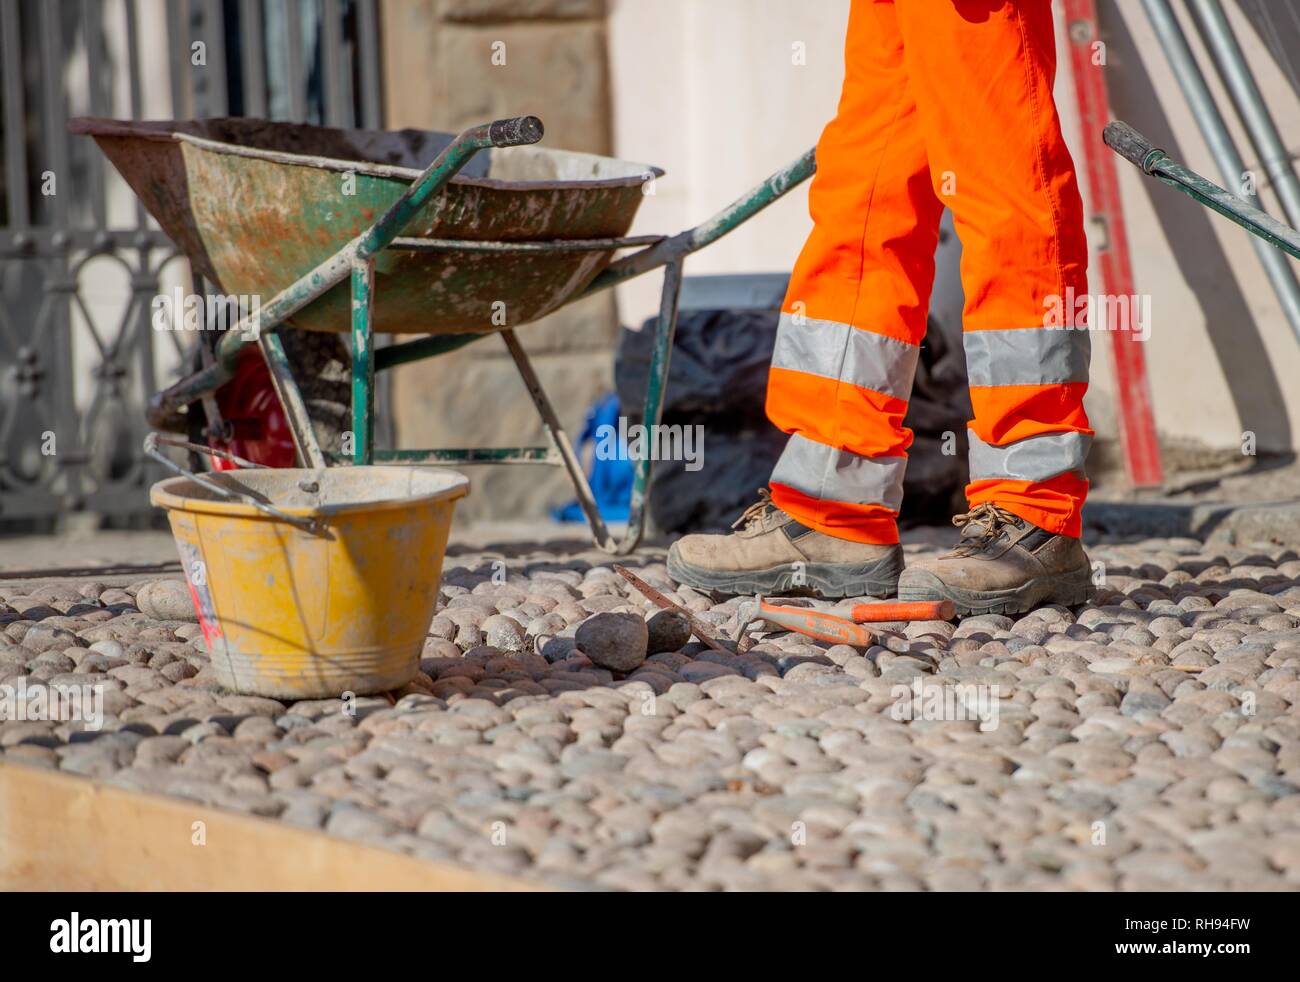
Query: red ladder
pixel 1137 426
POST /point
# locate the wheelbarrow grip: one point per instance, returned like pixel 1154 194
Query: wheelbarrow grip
pixel 1130 144
pixel 517 132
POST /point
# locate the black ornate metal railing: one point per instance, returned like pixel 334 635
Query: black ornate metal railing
pixel 80 261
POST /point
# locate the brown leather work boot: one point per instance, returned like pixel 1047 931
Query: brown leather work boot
pixel 1002 565
pixel 772 553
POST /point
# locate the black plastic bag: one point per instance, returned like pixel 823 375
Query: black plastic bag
pixel 718 381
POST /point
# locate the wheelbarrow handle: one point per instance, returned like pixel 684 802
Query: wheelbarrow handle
pixel 514 132
pixel 1155 162
pixel 1131 145
pixel 519 131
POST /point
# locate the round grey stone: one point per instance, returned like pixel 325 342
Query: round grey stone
pixel 614 641
pixel 166 600
pixel 108 648
pixel 668 631
pixel 503 632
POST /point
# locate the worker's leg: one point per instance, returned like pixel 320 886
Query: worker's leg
pixel 855 313
pixel 847 348
pixel 982 71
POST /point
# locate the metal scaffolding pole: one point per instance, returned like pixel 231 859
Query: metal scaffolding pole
pixel 1231 64
pixel 1225 152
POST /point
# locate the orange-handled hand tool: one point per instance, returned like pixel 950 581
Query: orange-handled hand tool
pixel 917 610
pixel 819 624
pixel 840 625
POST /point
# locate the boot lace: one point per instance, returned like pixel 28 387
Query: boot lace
pixel 981 526
pixel 758 512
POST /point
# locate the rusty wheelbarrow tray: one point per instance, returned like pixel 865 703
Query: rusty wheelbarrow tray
pixel 458 250
pixel 254 204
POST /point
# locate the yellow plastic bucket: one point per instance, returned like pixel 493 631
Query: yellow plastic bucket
pixel 297 614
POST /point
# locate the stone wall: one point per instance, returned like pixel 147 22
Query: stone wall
pixel 440 73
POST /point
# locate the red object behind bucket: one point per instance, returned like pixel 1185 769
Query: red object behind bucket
pixel 249 403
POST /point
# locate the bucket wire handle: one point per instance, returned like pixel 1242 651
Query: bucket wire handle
pixel 151 442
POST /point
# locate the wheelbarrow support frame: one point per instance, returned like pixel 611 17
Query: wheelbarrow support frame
pixel 355 262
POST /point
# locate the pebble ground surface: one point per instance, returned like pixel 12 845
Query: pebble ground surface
pixel 1147 741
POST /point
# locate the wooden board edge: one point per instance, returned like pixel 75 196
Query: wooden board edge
pixel 62 832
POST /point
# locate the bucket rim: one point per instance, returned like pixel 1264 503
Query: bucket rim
pixel 164 495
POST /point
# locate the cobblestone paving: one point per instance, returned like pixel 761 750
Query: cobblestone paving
pixel 1148 741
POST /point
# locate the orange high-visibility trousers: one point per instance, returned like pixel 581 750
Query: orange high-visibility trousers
pixel 946 103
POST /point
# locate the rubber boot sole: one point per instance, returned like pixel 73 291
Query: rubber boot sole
pixel 830 581
pixel 1068 589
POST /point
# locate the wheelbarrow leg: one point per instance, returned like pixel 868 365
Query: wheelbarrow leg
pixel 556 431
pixel 656 383
pixel 295 409
pixel 363 362
pixel 665 327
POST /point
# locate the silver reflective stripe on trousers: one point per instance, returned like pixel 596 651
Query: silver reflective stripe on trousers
pixel 828 474
pixel 837 351
pixel 1027 356
pixel 1036 458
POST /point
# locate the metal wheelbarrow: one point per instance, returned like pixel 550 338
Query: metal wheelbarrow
pixel 345 231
